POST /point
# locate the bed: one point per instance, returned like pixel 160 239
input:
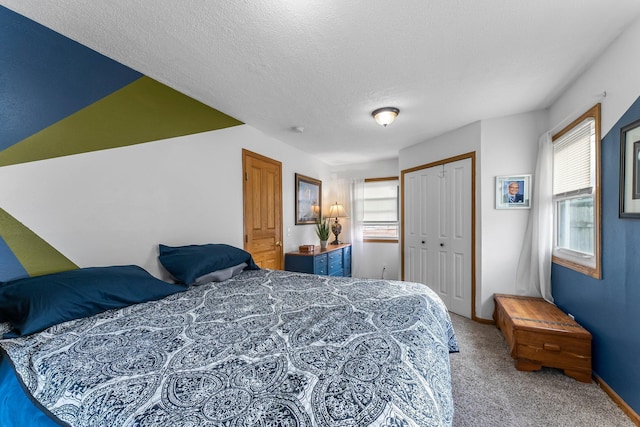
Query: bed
pixel 253 347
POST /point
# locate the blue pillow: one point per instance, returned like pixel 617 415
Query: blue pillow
pixel 35 303
pixel 187 263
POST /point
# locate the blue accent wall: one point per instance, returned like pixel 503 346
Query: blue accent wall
pixel 10 267
pixel 610 308
pixel 46 77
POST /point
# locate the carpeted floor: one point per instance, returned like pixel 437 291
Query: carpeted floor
pixel 488 390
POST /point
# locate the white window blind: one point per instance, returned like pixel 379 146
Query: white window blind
pixel 381 201
pixel 576 199
pixel 380 217
pixel 572 160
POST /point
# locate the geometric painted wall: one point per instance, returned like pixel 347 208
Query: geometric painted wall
pixel 610 308
pixel 142 111
pixel 59 98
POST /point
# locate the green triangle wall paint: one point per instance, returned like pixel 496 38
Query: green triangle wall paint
pixel 36 256
pixel 140 112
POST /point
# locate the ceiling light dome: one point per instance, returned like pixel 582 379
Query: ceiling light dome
pixel 385 115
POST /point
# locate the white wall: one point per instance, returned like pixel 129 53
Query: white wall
pixel 379 257
pixel 615 71
pixel 115 206
pixel 376 169
pixel 503 146
pixel 374 256
pixel 509 147
pixel 463 140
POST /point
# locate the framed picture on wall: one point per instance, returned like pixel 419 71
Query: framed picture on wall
pixel 308 199
pixel 630 171
pixel 513 192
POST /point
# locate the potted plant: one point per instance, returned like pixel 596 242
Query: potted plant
pixel 322 230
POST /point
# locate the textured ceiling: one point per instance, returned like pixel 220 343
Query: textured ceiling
pixel 325 65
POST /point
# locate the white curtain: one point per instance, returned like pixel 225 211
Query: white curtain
pixel 356 206
pixel 534 265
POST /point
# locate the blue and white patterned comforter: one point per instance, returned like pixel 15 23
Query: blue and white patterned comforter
pixel 266 348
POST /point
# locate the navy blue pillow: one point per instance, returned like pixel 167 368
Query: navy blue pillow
pixel 35 303
pixel 187 263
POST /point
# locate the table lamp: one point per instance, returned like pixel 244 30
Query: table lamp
pixel 337 211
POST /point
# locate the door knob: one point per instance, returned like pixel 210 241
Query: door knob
pixel 278 243
pixel 442 244
pixel 423 242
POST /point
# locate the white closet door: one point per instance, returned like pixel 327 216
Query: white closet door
pixel 437 234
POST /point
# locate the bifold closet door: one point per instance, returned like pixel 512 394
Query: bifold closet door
pixel 437 231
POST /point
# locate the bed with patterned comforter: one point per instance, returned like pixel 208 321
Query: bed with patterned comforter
pixel 265 348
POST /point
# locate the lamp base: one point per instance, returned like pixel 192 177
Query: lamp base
pixel 336 229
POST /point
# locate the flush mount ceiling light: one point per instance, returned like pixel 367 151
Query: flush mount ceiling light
pixel 385 116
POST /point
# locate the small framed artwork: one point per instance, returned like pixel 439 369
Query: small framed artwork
pixel 630 171
pixel 308 199
pixel 513 192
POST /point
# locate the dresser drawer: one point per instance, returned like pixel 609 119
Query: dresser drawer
pixel 346 261
pixel 320 265
pixel 335 263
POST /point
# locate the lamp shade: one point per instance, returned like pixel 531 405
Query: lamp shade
pixel 385 116
pixel 337 211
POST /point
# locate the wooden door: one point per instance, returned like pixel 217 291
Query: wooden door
pixel 437 229
pixel 262 194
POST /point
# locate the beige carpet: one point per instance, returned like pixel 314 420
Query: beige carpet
pixel 488 390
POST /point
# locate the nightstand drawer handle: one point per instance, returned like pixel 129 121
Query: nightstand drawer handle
pixel 551 347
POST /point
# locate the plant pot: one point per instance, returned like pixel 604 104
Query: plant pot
pixel 323 244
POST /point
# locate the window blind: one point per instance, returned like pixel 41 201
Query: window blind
pixel 381 201
pixel 572 168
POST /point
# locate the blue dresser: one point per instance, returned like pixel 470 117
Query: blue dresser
pixel 333 261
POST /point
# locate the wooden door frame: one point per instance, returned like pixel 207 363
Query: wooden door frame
pixel 247 153
pixel 471 155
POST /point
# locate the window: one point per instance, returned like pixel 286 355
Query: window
pixel 380 219
pixel 576 194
